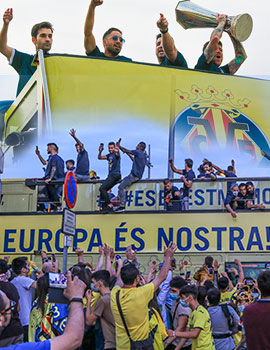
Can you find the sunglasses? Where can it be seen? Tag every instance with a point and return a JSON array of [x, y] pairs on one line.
[[12, 307], [115, 38]]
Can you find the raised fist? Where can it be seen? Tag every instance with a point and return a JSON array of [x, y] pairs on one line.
[[97, 2], [8, 16]]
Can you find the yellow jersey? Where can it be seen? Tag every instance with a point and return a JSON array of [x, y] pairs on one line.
[[134, 304], [199, 318]]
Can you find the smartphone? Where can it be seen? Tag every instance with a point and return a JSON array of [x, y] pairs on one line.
[[173, 263], [57, 285], [36, 148], [101, 145], [57, 280], [249, 282], [210, 269], [53, 257], [188, 273], [120, 140]]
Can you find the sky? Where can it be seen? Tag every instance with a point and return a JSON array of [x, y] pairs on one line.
[[137, 20]]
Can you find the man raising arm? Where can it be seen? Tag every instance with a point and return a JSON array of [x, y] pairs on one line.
[[42, 39], [212, 56], [4, 48], [112, 39], [166, 51]]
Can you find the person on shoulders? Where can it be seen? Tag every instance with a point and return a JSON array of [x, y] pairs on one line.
[[166, 52], [112, 38], [212, 56]]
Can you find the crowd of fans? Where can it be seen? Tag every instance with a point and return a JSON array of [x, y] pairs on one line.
[[116, 306]]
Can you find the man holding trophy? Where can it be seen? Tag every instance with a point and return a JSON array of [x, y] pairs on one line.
[[212, 56]]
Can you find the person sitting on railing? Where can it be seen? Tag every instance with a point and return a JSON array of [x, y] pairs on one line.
[[82, 168], [137, 170], [230, 200], [171, 196], [41, 33], [114, 175], [251, 196], [54, 171], [166, 52], [112, 39], [188, 177], [212, 56]]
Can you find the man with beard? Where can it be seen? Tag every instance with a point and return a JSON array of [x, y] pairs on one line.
[[212, 56], [23, 63], [54, 171], [166, 52], [112, 39]]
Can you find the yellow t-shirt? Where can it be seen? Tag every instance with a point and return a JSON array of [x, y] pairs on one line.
[[200, 318], [227, 296], [134, 304], [160, 334]]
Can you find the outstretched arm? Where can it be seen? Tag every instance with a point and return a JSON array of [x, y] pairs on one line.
[[216, 35], [43, 161], [240, 55], [215, 166], [167, 41], [125, 150], [89, 39], [178, 171], [4, 48], [72, 133], [168, 253]]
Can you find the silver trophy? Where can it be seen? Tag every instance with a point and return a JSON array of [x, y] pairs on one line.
[[190, 15]]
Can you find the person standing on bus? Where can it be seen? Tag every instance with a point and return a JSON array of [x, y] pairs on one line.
[[42, 38], [82, 167], [166, 52], [112, 39]]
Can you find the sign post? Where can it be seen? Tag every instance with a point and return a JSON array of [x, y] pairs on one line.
[[69, 217]]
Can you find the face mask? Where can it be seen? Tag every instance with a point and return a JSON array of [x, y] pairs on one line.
[[235, 193], [182, 302], [93, 288], [241, 308], [173, 296]]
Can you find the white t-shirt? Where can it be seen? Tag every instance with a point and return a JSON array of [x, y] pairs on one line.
[[23, 285]]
